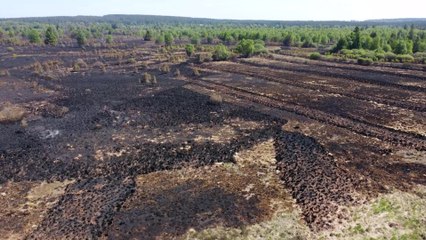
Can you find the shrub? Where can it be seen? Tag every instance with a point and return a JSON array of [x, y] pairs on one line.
[[159, 39], [308, 44], [315, 56], [420, 57], [390, 56], [81, 38], [221, 53], [246, 47], [365, 61], [405, 58], [10, 49], [34, 36], [195, 40], [168, 39], [387, 48], [109, 39], [189, 49], [259, 47]]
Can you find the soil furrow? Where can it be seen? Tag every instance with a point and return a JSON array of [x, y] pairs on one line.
[[390, 135], [272, 75], [346, 66], [348, 76]]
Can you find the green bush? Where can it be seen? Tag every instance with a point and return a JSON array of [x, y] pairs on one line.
[[365, 61], [420, 57], [168, 39], [315, 56], [34, 36], [81, 38], [221, 53], [405, 58], [189, 49], [259, 47], [195, 40], [246, 47], [390, 57], [109, 39], [159, 39]]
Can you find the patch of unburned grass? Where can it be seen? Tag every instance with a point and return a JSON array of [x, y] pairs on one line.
[[10, 113], [398, 215], [383, 205]]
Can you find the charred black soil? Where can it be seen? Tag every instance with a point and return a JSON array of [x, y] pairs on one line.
[[120, 142]]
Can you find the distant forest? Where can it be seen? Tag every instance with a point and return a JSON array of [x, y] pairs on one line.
[[389, 40], [152, 19]]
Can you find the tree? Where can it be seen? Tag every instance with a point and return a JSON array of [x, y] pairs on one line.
[[109, 39], [210, 39], [246, 47], [356, 38], [411, 34], [195, 40], [288, 40], [189, 49], [168, 39], [341, 44], [51, 36], [400, 47], [34, 36], [221, 53], [148, 36], [81, 38]]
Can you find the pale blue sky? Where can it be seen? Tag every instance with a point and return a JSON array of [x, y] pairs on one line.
[[229, 9]]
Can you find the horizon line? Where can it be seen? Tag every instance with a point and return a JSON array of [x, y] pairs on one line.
[[217, 19]]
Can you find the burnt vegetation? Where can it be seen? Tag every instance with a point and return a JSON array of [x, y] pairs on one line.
[[103, 102]]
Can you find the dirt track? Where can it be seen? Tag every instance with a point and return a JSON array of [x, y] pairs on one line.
[[115, 139]]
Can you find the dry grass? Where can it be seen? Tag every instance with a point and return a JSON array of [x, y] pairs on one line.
[[147, 78], [99, 65], [4, 73], [177, 73], [38, 68], [79, 64], [165, 68], [216, 98], [196, 72], [10, 113]]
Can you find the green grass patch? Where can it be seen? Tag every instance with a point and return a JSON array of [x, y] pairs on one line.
[[383, 205]]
